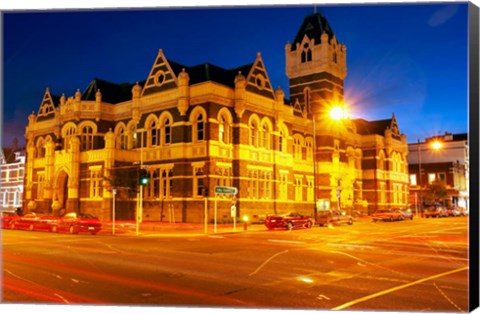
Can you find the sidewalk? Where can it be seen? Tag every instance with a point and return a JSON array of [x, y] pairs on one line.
[[129, 227]]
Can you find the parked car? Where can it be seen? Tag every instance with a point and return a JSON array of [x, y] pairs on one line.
[[33, 221], [454, 211], [78, 222], [289, 221], [435, 211], [336, 217], [406, 213], [6, 217], [387, 215]]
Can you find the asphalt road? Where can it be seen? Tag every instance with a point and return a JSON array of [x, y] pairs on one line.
[[419, 265]]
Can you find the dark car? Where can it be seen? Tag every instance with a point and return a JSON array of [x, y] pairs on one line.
[[78, 222], [387, 215], [6, 217], [288, 221], [33, 221], [435, 211], [335, 217]]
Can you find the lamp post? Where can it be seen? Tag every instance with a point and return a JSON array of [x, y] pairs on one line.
[[420, 176], [114, 192], [435, 145]]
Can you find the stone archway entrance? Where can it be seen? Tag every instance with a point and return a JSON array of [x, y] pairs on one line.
[[59, 205]]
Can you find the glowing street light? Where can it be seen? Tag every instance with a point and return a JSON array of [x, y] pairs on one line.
[[337, 113], [436, 145]]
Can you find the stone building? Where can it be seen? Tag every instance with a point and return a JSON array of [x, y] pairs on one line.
[[192, 128], [447, 163], [12, 170]]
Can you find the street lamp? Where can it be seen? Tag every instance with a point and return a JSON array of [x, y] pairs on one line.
[[337, 113], [435, 145]]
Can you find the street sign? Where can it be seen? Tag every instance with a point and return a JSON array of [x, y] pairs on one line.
[[231, 190]]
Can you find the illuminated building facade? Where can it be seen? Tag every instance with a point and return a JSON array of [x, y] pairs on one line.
[[447, 164], [193, 128], [12, 170]]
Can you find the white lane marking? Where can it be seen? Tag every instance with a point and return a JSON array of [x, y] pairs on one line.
[[264, 263], [323, 297], [387, 291], [448, 299], [216, 237]]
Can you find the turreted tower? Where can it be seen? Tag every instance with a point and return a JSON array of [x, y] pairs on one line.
[[316, 66]]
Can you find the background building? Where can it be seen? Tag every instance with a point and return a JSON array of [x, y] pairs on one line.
[[442, 159], [12, 170], [192, 128]]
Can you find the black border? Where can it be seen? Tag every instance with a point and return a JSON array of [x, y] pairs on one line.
[[474, 154]]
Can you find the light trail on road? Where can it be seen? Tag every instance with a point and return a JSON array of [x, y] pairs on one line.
[[387, 291]]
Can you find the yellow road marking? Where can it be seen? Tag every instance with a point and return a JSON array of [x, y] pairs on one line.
[[368, 297]]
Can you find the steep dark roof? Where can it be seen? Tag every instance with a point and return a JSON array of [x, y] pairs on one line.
[[365, 127], [112, 93], [9, 154], [460, 137], [209, 72], [313, 26], [56, 100]]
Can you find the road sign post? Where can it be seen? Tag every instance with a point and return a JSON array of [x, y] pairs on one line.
[[225, 190]]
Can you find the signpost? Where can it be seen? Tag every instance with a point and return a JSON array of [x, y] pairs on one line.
[[225, 190], [114, 192]]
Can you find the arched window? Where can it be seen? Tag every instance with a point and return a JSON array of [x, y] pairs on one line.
[[86, 138], [254, 133], [40, 148], [200, 130], [306, 54], [153, 133], [224, 127], [381, 160], [133, 135], [297, 146], [122, 138], [68, 133], [309, 146], [265, 136], [167, 131]]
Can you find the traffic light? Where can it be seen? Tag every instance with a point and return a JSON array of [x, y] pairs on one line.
[[144, 177]]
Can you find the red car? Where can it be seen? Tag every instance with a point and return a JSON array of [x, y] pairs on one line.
[[33, 221], [6, 217], [288, 221], [387, 215], [78, 222]]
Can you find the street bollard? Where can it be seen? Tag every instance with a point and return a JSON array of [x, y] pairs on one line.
[[245, 223]]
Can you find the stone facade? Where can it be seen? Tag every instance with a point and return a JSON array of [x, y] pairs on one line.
[[195, 128]]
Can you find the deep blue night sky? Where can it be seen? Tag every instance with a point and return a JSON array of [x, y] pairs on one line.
[[407, 59]]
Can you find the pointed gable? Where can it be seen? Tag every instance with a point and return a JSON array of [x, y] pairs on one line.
[[394, 126], [47, 108], [258, 81], [161, 76]]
